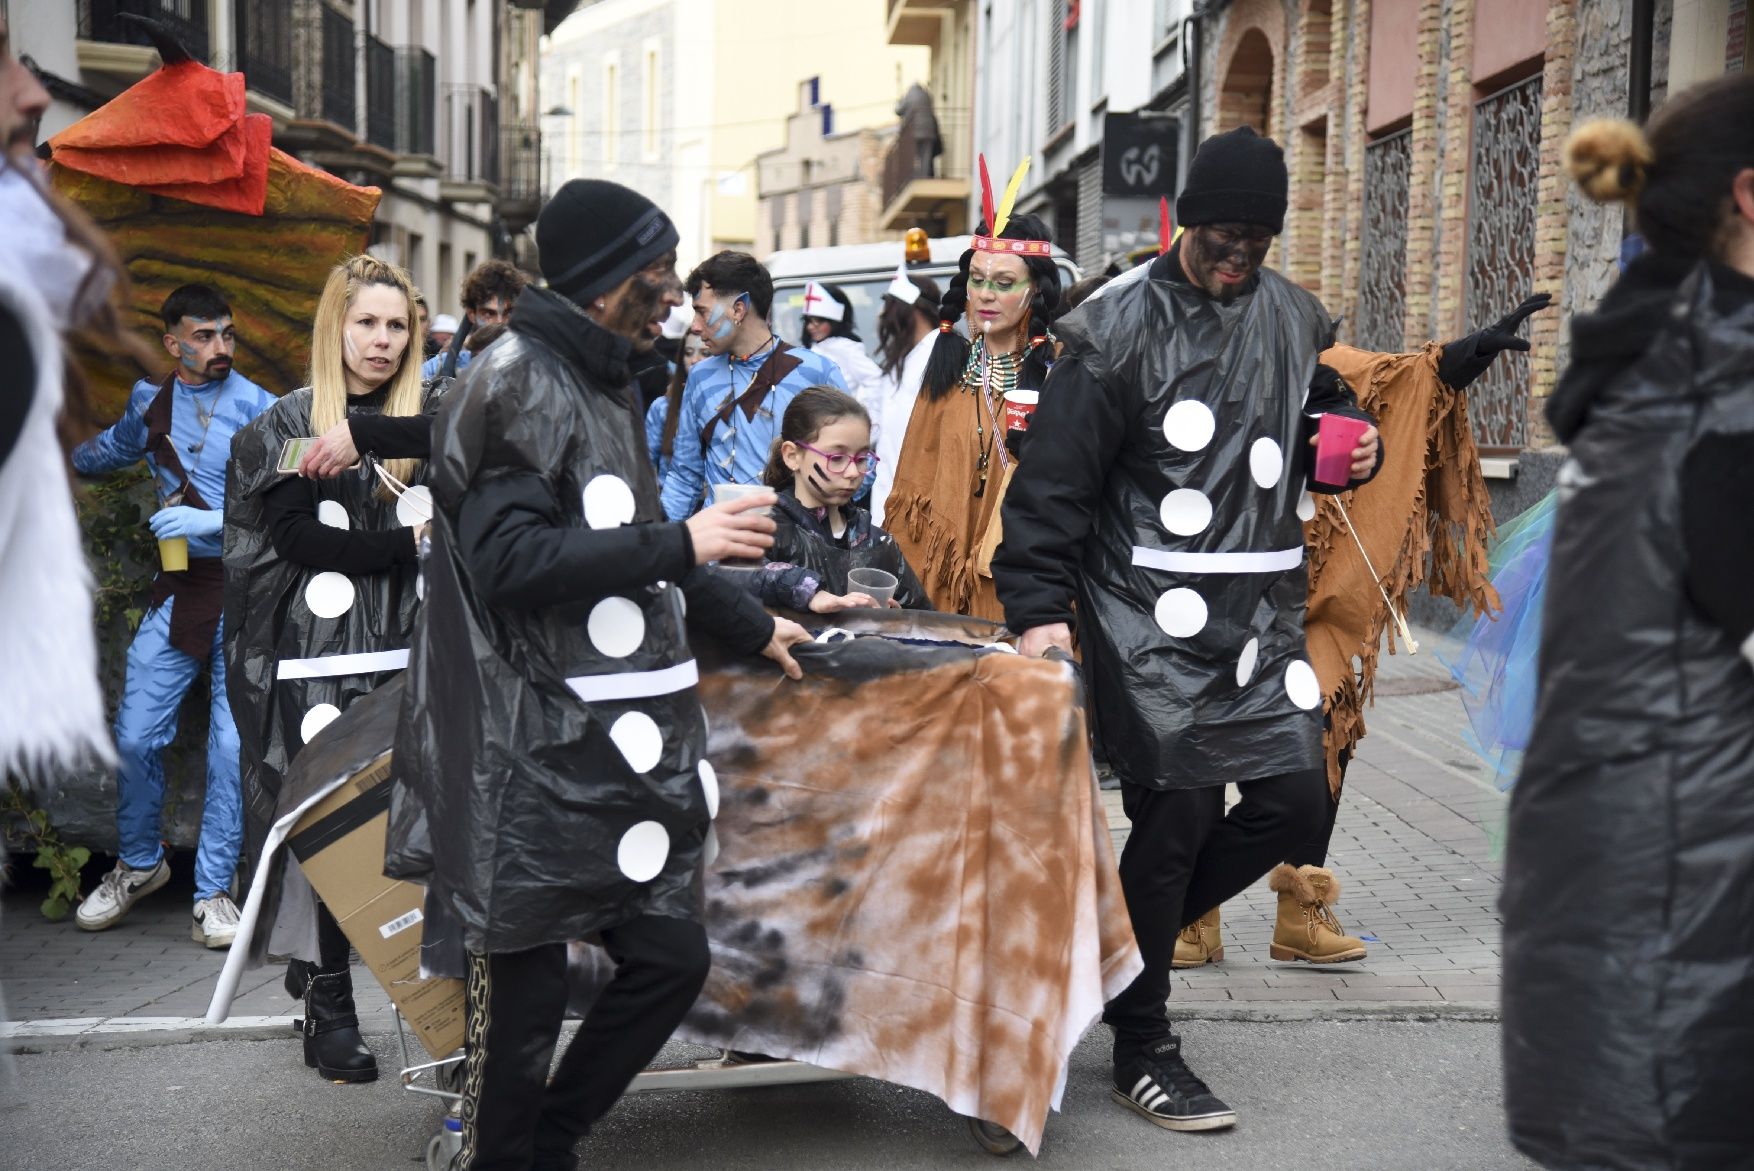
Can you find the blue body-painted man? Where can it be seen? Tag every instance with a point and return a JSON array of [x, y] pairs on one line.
[[735, 398], [182, 427]]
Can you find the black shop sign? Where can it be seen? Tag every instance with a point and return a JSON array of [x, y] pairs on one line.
[[1139, 154]]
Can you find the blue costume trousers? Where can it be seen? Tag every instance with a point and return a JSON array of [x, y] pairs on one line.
[[158, 677]]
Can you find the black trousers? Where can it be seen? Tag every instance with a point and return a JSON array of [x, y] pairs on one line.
[[1185, 856], [1315, 851], [513, 1116]]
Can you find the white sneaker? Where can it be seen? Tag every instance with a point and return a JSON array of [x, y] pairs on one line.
[[120, 889], [216, 921]]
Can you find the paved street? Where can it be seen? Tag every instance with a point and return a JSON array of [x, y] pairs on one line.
[[1320, 1096], [1396, 1054]]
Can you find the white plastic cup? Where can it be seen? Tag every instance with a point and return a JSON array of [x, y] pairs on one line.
[[725, 493], [879, 583]]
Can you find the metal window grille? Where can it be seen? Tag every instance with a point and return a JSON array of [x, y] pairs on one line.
[[265, 40], [1501, 248], [340, 91], [1382, 266], [186, 20], [1059, 99], [381, 98], [417, 83]]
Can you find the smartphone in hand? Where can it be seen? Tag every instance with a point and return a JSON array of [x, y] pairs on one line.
[[292, 452]]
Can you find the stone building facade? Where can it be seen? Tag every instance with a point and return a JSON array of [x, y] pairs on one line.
[[822, 188], [1425, 138]]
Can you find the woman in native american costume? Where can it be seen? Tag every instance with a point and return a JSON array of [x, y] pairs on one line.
[[321, 588], [957, 459]]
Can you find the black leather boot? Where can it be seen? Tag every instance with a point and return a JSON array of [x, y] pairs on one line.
[[330, 1026]]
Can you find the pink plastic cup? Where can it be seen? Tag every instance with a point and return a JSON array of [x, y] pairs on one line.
[[1336, 438]]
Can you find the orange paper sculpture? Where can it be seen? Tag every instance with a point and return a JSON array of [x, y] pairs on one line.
[[189, 188]]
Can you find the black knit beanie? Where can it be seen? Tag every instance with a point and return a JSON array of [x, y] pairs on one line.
[[594, 234], [1237, 177]]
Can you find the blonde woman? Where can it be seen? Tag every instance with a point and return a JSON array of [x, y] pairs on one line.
[[321, 587]]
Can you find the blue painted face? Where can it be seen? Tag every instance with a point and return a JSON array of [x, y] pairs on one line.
[[719, 320]]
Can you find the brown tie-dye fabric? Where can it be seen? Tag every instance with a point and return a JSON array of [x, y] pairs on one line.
[[1425, 520], [916, 881]]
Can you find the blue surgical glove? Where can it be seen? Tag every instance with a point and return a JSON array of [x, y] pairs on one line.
[[180, 520]]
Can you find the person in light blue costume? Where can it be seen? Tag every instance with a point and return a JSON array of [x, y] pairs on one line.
[[182, 427], [660, 432], [734, 400], [1496, 667], [488, 293]]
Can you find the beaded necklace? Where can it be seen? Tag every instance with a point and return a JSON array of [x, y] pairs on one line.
[[983, 371]]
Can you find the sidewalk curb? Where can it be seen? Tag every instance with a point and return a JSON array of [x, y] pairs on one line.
[[25, 1043]]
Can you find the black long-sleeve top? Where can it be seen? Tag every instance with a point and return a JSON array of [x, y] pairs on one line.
[[523, 553]]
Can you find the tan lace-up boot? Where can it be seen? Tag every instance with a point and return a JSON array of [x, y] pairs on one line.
[[1199, 942], [1306, 929]]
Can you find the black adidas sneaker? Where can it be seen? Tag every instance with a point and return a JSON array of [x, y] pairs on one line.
[[1158, 1084]]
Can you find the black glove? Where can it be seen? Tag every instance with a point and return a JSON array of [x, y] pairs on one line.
[[1465, 359], [1014, 440]]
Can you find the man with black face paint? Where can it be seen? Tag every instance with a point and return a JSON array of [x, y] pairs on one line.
[[552, 738], [1165, 517]]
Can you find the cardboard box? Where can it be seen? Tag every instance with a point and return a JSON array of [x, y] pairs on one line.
[[339, 843]]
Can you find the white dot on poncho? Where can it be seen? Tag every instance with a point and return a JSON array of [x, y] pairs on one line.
[[414, 507], [617, 627], [1266, 462], [637, 735], [1302, 686], [329, 594], [1245, 662], [643, 851], [1186, 511], [1181, 612], [333, 514], [709, 783], [608, 502], [316, 720], [1306, 507], [1188, 425]]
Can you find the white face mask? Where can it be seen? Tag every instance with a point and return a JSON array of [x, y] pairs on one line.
[[34, 243]]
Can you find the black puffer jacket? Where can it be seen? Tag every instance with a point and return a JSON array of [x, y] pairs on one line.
[[1629, 874], [549, 776]]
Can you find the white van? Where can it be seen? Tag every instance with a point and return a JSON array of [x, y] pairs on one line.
[[863, 271]]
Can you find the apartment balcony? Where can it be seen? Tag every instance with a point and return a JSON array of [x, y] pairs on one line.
[[470, 130], [920, 190], [109, 45], [920, 22], [416, 114], [264, 32], [520, 177]]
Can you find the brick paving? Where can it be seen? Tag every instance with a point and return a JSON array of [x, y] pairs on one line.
[[1413, 848]]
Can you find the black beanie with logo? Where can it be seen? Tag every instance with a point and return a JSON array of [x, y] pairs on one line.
[[594, 234], [1236, 177]]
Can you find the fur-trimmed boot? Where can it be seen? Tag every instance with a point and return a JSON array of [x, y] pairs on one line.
[[1199, 942], [1306, 929]]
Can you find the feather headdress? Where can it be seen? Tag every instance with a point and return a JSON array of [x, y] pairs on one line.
[[998, 215]]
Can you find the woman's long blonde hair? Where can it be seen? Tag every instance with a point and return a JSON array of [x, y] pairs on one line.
[[328, 372]]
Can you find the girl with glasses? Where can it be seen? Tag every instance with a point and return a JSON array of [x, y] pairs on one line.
[[818, 465]]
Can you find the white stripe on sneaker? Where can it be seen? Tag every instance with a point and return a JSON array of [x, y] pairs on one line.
[[1139, 1087], [1157, 1098]]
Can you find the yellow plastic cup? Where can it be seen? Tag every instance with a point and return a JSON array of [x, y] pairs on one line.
[[173, 554]]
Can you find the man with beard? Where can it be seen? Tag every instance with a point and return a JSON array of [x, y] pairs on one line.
[[550, 782], [181, 426], [1163, 512]]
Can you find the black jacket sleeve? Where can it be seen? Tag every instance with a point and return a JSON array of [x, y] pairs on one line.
[[1329, 394], [1717, 482], [289, 509], [521, 552], [392, 436], [1050, 507], [727, 609], [15, 355]]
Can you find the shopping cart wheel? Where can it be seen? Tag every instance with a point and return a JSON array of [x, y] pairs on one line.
[[993, 1138], [449, 1078]]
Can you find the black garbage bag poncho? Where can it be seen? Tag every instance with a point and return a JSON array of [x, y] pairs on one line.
[[1170, 447], [1629, 868], [550, 777], [287, 626]]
